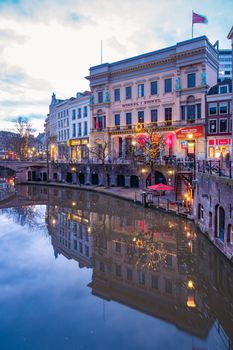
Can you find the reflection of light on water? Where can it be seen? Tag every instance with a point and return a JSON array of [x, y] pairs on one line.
[[190, 284], [191, 301]]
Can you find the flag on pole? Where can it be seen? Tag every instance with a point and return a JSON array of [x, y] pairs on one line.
[[199, 18]]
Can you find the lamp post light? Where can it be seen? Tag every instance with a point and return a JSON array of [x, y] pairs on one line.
[[134, 143], [88, 152], [52, 151], [47, 160]]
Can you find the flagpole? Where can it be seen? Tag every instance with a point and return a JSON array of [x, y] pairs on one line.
[[101, 52], [192, 24]]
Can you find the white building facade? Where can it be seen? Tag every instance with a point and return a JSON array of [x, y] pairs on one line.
[[73, 126]]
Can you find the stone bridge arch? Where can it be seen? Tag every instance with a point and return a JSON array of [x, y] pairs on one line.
[[21, 169]]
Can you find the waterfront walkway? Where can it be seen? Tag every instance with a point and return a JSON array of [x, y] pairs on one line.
[[165, 203]]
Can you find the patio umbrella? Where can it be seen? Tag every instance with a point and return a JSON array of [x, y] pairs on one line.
[[161, 187]]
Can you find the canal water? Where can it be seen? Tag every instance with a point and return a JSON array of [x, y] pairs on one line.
[[81, 270]]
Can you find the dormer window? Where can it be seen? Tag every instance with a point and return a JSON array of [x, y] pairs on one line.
[[223, 89]]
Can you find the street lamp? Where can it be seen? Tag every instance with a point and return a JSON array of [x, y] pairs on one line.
[[52, 151], [88, 152]]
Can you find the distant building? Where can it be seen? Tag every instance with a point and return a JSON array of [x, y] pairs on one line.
[[73, 127], [219, 121], [68, 127], [225, 64], [7, 145], [230, 37], [51, 127], [41, 143]]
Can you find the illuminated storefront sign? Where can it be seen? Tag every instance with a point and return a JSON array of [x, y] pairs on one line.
[[223, 142], [191, 132], [218, 146], [77, 142], [142, 103], [220, 142]]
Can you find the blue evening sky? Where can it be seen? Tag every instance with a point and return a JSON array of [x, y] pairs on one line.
[[48, 46]]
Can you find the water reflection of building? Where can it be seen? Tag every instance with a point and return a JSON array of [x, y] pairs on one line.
[[71, 235], [142, 272], [149, 261]]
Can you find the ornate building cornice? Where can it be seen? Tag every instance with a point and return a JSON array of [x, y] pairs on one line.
[[148, 65]]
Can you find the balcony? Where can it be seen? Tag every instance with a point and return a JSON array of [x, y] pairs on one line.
[[168, 125]]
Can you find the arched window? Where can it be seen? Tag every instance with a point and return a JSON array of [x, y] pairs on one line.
[[190, 99], [219, 222]]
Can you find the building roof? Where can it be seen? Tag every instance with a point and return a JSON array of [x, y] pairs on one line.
[[225, 52], [182, 53], [145, 55], [230, 35], [214, 90]]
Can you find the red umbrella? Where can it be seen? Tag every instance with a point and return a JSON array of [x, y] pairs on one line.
[[161, 187]]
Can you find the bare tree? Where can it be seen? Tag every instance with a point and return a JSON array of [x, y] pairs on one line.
[[21, 139], [150, 147], [101, 151]]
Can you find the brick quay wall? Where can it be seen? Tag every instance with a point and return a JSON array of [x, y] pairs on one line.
[[213, 210]]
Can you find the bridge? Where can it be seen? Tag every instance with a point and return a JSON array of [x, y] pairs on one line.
[[24, 170], [19, 165]]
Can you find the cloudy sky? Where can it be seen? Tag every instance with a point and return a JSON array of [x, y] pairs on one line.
[[49, 45]]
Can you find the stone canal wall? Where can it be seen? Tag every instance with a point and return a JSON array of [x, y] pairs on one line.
[[213, 210]]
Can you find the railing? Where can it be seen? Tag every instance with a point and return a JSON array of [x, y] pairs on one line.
[[149, 199], [154, 125], [216, 167]]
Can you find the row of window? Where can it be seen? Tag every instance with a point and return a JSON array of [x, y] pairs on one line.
[[141, 116], [188, 112], [79, 112], [191, 112], [155, 283], [225, 59], [79, 247], [63, 123], [63, 135], [63, 113], [77, 129], [219, 108], [168, 87], [219, 126]]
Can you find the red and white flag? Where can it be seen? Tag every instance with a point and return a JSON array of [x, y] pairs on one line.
[[199, 18]]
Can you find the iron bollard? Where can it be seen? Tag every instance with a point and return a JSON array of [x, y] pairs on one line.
[[144, 199]]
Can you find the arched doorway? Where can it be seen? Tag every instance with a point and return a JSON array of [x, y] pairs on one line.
[[81, 178], [69, 177], [95, 179], [134, 182], [159, 178], [120, 180], [108, 180], [219, 222]]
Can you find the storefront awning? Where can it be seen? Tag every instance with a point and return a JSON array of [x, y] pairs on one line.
[[190, 132]]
